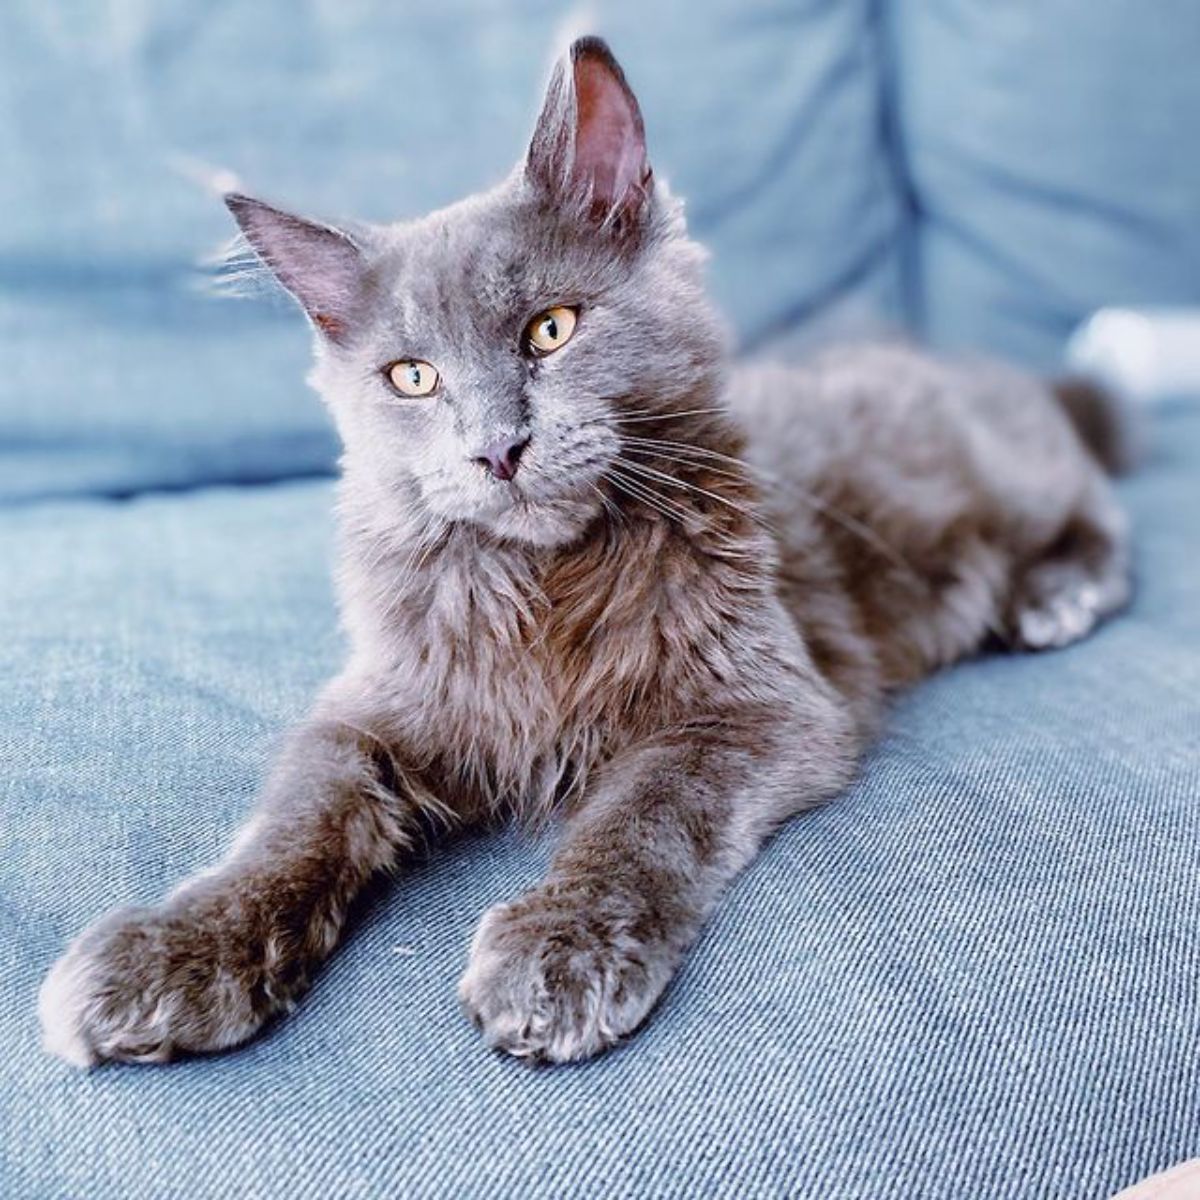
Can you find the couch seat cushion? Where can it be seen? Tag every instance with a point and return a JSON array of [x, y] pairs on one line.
[[974, 975]]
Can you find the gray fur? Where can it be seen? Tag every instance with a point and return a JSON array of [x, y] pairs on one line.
[[676, 627]]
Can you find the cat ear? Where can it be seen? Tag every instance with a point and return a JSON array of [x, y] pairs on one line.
[[589, 146], [321, 266]]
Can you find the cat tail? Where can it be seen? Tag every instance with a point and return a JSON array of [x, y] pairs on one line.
[[1105, 422]]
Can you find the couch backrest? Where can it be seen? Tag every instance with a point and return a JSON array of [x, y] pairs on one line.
[[765, 117], [988, 172], [1052, 152]]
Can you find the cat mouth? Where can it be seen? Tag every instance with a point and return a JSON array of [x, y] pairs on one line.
[[544, 521], [528, 494], [528, 500]]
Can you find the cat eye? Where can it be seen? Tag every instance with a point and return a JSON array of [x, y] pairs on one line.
[[551, 330], [411, 377]]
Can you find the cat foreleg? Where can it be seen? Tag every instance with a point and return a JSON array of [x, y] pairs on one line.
[[569, 968], [234, 946]]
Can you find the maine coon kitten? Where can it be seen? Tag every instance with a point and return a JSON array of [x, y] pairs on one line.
[[587, 566]]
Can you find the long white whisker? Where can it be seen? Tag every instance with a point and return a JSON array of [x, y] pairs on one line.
[[666, 444], [845, 520], [666, 477], [609, 507], [646, 495], [667, 416], [687, 460]]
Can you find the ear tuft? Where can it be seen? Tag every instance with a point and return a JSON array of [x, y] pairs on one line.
[[589, 146], [321, 266]]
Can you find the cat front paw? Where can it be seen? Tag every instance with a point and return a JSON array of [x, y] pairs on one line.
[[553, 979], [144, 984]]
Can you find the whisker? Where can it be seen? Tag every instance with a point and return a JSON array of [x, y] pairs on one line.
[[665, 444], [609, 507], [685, 460], [674, 481], [792, 488], [640, 416], [646, 495]]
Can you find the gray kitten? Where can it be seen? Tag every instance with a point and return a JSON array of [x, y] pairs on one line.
[[588, 567]]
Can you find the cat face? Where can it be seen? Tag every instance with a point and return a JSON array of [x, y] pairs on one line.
[[482, 362]]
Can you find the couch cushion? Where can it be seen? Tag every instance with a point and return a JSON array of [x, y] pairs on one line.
[[974, 975], [766, 119], [1048, 148]]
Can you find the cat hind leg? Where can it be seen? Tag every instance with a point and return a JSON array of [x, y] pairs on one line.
[[1082, 578]]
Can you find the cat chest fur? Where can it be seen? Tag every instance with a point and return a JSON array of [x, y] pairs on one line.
[[525, 669]]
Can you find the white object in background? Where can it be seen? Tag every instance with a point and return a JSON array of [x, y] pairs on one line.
[[1144, 353]]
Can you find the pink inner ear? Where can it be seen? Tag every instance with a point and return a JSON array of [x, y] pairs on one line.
[[610, 145]]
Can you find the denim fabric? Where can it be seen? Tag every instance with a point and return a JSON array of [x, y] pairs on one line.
[[764, 115], [973, 976], [1046, 149]]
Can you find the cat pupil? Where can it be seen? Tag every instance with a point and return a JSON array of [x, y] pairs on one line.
[[414, 375], [551, 328]]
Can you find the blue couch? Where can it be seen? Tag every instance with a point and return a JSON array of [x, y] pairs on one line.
[[975, 976]]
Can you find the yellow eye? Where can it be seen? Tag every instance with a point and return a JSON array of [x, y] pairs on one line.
[[551, 330], [411, 377]]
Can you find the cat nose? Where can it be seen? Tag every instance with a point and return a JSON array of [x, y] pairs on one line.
[[502, 457]]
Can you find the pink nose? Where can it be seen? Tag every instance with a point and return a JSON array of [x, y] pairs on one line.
[[502, 458]]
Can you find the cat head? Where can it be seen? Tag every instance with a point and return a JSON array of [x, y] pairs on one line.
[[482, 362]]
